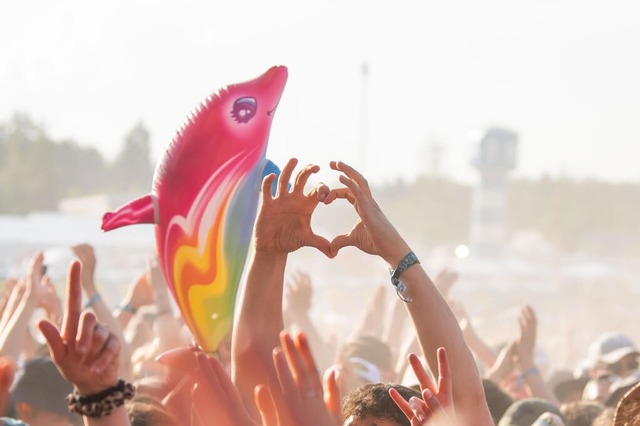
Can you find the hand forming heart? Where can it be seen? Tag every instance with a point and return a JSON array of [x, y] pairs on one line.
[[284, 221]]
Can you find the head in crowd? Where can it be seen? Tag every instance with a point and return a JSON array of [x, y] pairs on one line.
[[39, 393], [497, 399], [615, 353], [548, 419], [581, 413], [149, 411], [605, 418], [365, 359], [566, 387], [526, 411], [372, 403], [597, 388], [628, 409], [621, 386]]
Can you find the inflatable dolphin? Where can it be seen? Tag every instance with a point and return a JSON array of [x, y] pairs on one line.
[[204, 200]]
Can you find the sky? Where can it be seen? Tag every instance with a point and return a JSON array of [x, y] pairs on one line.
[[564, 75]]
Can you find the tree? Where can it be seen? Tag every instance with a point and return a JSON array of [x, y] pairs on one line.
[[132, 169]]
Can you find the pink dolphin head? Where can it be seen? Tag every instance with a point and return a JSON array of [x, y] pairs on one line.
[[204, 200]]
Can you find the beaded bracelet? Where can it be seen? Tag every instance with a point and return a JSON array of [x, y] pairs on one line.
[[409, 260], [103, 403]]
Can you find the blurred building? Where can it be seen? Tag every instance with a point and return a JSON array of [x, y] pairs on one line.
[[495, 158]]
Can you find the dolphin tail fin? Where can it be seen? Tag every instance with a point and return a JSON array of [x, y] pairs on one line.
[[270, 167], [140, 210]]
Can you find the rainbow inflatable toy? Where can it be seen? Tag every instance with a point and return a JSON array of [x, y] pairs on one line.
[[204, 200]]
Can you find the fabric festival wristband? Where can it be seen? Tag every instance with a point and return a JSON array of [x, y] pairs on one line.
[[127, 307], [409, 260], [93, 300]]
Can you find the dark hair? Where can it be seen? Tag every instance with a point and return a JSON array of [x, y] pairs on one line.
[[580, 413], [373, 400], [148, 411], [497, 399], [370, 348]]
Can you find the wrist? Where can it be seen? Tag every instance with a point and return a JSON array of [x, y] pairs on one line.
[[526, 363], [396, 255], [90, 288], [268, 255], [93, 388]]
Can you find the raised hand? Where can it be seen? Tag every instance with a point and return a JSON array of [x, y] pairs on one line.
[[373, 233], [436, 407], [527, 340], [213, 395], [50, 301], [85, 351], [86, 255], [298, 294], [284, 221], [303, 395]]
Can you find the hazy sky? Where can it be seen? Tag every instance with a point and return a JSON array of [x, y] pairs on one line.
[[564, 74]]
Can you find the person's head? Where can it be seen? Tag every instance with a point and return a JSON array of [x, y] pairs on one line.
[[597, 389], [497, 399], [605, 418], [39, 393], [581, 413], [614, 352], [526, 411], [372, 403], [362, 360], [628, 409], [621, 386], [149, 411], [566, 387]]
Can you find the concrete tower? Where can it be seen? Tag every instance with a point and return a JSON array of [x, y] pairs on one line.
[[495, 158]]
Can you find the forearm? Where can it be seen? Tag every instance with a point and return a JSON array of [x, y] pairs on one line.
[[485, 354], [436, 326], [531, 375], [13, 334], [319, 348], [258, 324]]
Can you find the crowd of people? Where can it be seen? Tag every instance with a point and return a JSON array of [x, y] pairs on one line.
[[424, 365]]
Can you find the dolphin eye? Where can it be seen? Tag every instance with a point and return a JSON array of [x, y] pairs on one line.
[[244, 109]]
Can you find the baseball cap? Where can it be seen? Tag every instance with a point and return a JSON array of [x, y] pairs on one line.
[[611, 347]]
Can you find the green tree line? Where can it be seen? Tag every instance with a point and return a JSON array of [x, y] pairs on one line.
[[36, 172]]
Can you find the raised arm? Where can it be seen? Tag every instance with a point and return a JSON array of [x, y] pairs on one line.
[[87, 355], [297, 303], [434, 322], [283, 226], [21, 308], [86, 255]]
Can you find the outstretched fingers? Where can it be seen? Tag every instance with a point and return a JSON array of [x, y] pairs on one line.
[[54, 340], [73, 307], [352, 174], [303, 176], [84, 337], [421, 373], [445, 381], [285, 177]]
